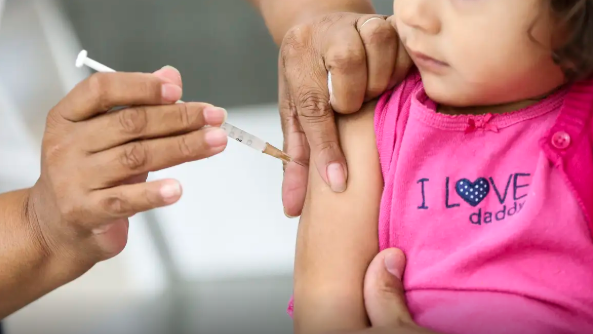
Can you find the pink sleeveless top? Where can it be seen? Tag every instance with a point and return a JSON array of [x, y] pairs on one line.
[[492, 212]]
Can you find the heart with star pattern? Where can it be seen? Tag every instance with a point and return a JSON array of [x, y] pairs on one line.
[[473, 192]]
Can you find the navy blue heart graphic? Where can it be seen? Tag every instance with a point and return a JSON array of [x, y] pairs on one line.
[[473, 192]]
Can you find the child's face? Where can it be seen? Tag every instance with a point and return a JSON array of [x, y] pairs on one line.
[[480, 52]]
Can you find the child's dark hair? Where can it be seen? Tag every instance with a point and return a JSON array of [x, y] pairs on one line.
[[575, 53]]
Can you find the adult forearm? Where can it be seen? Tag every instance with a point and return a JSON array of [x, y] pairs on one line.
[[27, 271], [280, 15]]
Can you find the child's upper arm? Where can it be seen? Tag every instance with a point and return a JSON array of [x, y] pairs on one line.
[[337, 235]]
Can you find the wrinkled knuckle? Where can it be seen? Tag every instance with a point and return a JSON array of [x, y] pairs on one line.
[[346, 59], [98, 83], [150, 88], [299, 34], [186, 149], [296, 40], [314, 107], [378, 34], [115, 205], [134, 120], [186, 119], [134, 156]]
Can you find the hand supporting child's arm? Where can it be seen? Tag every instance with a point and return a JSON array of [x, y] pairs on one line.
[[365, 56], [337, 236]]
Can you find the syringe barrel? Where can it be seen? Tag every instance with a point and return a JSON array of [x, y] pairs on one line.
[[243, 137]]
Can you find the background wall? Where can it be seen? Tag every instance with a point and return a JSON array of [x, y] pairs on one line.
[[221, 46]]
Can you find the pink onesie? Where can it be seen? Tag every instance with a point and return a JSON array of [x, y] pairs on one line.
[[494, 212], [495, 238]]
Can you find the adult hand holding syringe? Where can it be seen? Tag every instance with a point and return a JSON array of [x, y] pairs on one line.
[[232, 131]]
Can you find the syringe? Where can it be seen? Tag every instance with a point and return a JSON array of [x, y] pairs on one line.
[[232, 131]]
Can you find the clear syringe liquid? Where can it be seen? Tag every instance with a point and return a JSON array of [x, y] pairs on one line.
[[254, 142]]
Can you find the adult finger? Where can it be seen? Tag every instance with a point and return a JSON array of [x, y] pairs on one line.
[[122, 126], [120, 163], [403, 61], [307, 82], [383, 290], [127, 200], [104, 91], [345, 59], [294, 183], [380, 43], [170, 74]]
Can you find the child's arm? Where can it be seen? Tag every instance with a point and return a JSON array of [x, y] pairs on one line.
[[337, 237]]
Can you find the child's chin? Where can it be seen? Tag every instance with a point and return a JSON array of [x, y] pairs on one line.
[[452, 93], [448, 97]]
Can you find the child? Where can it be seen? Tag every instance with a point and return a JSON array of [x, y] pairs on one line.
[[486, 155]]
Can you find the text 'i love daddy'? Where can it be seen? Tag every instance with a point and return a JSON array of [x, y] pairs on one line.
[[466, 194]]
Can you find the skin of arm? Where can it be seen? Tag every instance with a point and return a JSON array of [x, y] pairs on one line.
[[280, 16], [337, 236], [27, 272]]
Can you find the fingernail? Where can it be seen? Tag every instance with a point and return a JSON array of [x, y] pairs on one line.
[[160, 73], [168, 74], [336, 177], [170, 67], [170, 192], [393, 265], [171, 92], [215, 116], [215, 137], [288, 216]]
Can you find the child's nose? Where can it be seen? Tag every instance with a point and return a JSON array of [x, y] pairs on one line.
[[420, 14]]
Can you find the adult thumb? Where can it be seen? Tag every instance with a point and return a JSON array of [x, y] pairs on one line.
[[170, 74], [383, 290]]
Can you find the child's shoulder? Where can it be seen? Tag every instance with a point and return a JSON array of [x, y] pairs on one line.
[[398, 100], [401, 93], [392, 111], [412, 82]]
